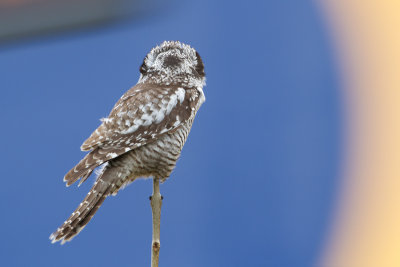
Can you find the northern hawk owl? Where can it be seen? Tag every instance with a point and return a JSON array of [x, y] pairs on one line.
[[144, 134]]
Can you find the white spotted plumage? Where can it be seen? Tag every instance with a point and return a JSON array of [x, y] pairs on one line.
[[144, 134]]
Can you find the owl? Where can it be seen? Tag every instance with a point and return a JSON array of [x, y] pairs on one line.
[[145, 132]]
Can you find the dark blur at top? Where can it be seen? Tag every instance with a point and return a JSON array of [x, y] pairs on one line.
[[20, 19]]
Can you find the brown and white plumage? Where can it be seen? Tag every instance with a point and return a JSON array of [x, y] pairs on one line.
[[144, 134]]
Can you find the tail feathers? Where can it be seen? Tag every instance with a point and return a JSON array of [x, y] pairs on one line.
[[84, 213], [85, 167], [91, 161]]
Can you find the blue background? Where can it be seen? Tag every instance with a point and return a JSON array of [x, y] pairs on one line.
[[256, 182]]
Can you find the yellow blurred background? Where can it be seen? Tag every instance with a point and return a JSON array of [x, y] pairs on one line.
[[366, 229]]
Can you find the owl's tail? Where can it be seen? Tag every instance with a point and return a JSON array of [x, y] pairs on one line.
[[85, 167], [91, 161], [102, 188]]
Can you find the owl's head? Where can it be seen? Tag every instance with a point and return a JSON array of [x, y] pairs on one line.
[[172, 60]]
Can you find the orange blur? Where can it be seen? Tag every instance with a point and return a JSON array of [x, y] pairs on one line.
[[366, 228]]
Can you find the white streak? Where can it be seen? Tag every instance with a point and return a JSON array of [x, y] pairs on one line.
[[181, 94], [111, 155], [130, 129]]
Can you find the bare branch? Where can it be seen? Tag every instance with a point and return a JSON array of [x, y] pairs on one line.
[[156, 202]]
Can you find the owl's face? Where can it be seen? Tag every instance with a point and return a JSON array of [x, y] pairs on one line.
[[172, 60]]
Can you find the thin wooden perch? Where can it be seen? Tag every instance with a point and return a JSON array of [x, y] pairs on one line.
[[156, 202]]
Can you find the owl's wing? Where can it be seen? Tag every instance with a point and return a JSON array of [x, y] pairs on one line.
[[141, 116]]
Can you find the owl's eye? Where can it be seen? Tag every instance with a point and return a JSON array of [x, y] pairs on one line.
[[143, 68]]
